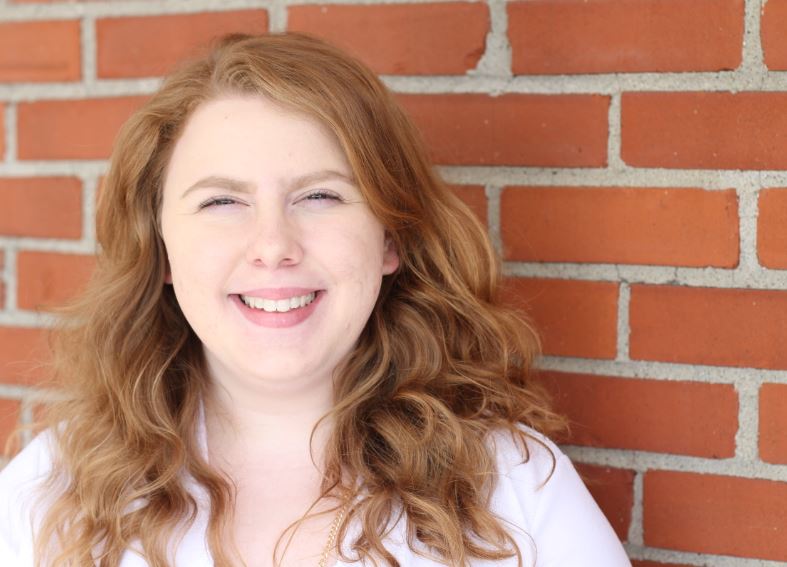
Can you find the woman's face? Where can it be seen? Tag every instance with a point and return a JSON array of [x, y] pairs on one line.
[[275, 257]]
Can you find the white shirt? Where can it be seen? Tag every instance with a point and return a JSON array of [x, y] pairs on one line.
[[554, 522]]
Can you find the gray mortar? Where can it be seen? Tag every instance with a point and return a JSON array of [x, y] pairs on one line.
[[13, 392], [25, 319], [747, 437], [614, 160], [9, 273], [636, 533], [580, 84], [711, 179], [600, 84], [89, 50], [277, 16], [28, 92], [623, 329], [703, 560], [752, 45], [644, 461], [496, 60], [667, 371], [26, 418], [748, 211], [89, 192], [10, 134], [738, 278], [119, 8], [80, 246], [493, 193]]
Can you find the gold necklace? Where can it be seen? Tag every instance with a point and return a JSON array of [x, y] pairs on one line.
[[332, 536]]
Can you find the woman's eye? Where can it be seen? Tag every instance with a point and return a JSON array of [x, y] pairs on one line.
[[218, 201], [321, 196]]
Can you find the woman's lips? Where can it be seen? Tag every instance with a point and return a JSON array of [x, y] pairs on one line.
[[282, 305], [277, 319]]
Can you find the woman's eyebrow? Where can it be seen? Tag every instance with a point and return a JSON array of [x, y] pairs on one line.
[[219, 182], [241, 186], [321, 175]]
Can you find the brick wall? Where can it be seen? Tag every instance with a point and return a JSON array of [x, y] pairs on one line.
[[629, 158]]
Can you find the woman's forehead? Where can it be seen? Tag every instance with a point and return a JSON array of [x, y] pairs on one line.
[[253, 136]]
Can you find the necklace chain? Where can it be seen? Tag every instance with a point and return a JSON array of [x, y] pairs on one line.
[[332, 537]]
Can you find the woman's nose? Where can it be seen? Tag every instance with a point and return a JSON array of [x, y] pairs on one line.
[[274, 242]]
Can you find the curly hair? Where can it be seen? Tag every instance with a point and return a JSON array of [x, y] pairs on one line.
[[441, 364]]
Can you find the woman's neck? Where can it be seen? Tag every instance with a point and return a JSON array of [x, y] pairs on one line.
[[268, 427]]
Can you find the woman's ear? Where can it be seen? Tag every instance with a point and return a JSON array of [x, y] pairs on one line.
[[390, 256], [167, 273]]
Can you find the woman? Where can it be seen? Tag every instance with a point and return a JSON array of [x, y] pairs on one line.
[[293, 349]]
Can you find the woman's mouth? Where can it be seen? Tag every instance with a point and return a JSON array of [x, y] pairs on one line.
[[278, 305]]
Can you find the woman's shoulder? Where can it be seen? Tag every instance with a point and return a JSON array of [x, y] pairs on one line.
[[530, 468], [30, 466], [539, 491], [526, 453], [21, 484]]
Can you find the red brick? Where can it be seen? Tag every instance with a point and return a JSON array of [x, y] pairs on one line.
[[686, 418], [599, 36], [773, 423], [2, 132], [402, 39], [24, 354], [727, 327], [724, 515], [152, 45], [705, 130], [574, 318], [72, 129], [2, 283], [40, 51], [48, 279], [771, 228], [772, 26], [474, 197], [41, 206], [613, 490], [513, 129], [673, 227], [9, 420]]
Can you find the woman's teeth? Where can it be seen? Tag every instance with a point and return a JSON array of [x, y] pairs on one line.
[[278, 305]]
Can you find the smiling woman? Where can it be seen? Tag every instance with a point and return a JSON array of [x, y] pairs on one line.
[[293, 351], [272, 220]]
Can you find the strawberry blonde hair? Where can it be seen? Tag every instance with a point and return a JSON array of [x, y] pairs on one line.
[[440, 365]]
